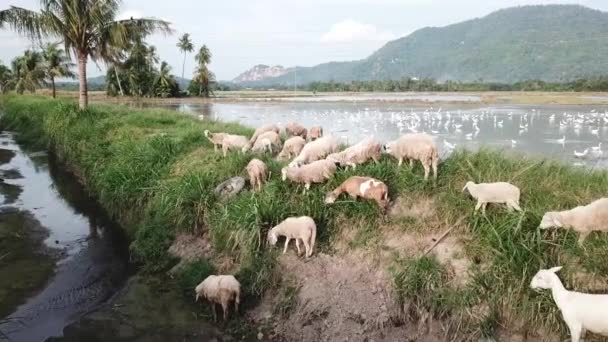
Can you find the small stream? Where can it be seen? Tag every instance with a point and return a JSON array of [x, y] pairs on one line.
[[91, 252]]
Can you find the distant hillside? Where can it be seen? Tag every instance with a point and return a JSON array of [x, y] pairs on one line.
[[260, 72], [550, 43]]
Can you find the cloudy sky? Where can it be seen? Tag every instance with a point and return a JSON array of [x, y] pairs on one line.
[[243, 33]]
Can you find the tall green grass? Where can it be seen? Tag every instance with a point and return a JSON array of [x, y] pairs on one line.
[[155, 173]]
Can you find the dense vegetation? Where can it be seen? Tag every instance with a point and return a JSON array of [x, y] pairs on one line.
[[553, 43], [154, 172], [408, 84]]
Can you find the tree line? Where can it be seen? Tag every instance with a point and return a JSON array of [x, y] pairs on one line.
[[90, 30]]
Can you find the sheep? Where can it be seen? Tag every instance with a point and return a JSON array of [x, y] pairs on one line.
[[316, 150], [580, 311], [500, 192], [415, 147], [266, 141], [315, 172], [292, 147], [298, 228], [220, 289], [314, 133], [364, 187], [582, 219], [257, 171], [215, 138], [227, 141], [294, 129], [358, 154], [267, 128]]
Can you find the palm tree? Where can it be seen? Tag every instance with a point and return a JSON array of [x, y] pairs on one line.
[[88, 29], [6, 77], [185, 45], [203, 76], [57, 64], [28, 72], [164, 83]]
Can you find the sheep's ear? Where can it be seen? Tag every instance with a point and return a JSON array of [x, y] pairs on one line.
[[196, 297], [555, 269]]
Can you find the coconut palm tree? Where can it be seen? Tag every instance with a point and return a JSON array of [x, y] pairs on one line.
[[185, 45], [28, 72], [165, 84], [203, 76], [56, 64], [88, 29], [203, 56], [6, 77]]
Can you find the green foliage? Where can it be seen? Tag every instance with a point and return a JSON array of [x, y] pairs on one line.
[[192, 274]]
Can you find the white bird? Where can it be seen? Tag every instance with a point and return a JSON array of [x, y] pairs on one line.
[[562, 140], [448, 145], [595, 132], [597, 148], [581, 154]]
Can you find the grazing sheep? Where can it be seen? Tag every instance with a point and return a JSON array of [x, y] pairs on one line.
[[581, 311], [215, 138], [294, 129], [264, 129], [500, 192], [316, 150], [364, 187], [292, 147], [298, 228], [415, 147], [315, 172], [257, 171], [582, 219], [358, 154], [267, 141], [314, 133], [220, 289]]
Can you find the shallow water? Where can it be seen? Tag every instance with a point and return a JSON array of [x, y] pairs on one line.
[[554, 131], [93, 263]]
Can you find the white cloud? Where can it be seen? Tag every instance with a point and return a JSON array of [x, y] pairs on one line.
[[349, 31]]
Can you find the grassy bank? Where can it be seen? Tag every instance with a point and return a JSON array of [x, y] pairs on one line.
[[154, 172]]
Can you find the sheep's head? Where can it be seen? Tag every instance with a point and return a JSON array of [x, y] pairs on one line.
[[330, 198], [544, 279], [206, 133], [284, 174], [272, 238], [550, 220], [466, 186], [246, 148], [387, 148]]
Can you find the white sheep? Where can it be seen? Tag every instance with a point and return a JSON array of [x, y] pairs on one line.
[[258, 172], [267, 141], [292, 147], [316, 150], [220, 289], [227, 141], [364, 187], [581, 311], [314, 133], [315, 172], [582, 219], [294, 129], [500, 192], [215, 138], [412, 147], [358, 154], [264, 129], [298, 228]]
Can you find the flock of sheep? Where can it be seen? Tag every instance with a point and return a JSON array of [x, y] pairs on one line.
[[315, 158]]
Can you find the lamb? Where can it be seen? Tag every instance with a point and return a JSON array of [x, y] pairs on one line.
[[264, 129], [227, 141], [294, 129], [364, 187], [316, 150], [415, 147], [314, 133], [582, 219], [358, 154], [315, 172], [257, 171], [298, 228], [292, 147], [266, 141], [220, 289], [500, 192], [581, 311]]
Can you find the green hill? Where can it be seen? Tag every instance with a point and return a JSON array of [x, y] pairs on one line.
[[550, 43]]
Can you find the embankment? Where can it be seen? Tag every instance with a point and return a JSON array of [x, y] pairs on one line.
[[154, 172]]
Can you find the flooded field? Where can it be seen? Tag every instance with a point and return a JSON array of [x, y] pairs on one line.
[[86, 253], [570, 133]]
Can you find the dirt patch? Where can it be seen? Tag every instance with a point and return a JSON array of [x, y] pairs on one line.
[[189, 248], [339, 298], [411, 207]]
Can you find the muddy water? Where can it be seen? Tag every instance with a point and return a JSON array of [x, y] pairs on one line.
[[90, 252], [554, 131]]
